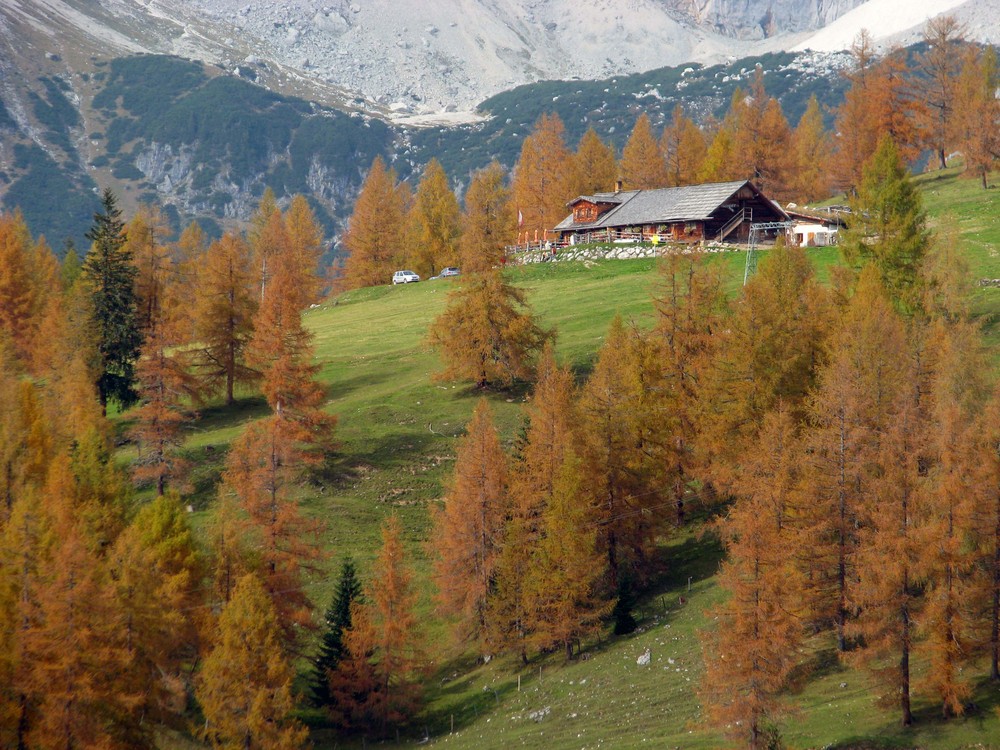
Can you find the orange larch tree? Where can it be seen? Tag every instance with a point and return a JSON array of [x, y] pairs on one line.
[[543, 177], [949, 623], [690, 307], [303, 249], [267, 240], [145, 241], [643, 166], [435, 219], [155, 574], [761, 140], [890, 570], [812, 147], [879, 103], [616, 439], [281, 350], [853, 404], [377, 685], [488, 221], [165, 386], [770, 350], [751, 653], [80, 695], [987, 517], [564, 597], [245, 683], [977, 111], [486, 334], [684, 149], [594, 167], [533, 476], [375, 233], [225, 302], [467, 531], [261, 472], [18, 295], [938, 68]]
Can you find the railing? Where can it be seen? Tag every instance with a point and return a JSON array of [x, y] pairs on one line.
[[744, 214]]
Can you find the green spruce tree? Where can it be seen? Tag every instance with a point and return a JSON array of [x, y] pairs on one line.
[[110, 276], [888, 226], [336, 620]]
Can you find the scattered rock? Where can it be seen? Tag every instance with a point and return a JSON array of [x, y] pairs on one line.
[[540, 713], [644, 659]]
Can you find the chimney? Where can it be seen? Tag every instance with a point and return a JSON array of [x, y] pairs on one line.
[[618, 186]]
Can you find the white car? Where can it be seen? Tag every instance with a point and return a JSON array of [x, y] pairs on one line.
[[404, 277]]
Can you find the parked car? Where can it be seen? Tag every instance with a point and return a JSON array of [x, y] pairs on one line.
[[404, 277], [450, 271]]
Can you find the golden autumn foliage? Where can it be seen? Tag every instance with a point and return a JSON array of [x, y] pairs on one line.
[[750, 654], [435, 219], [594, 166], [564, 597], [225, 303], [543, 177], [643, 166], [939, 66], [487, 334], [281, 545], [374, 236], [615, 441], [533, 477], [977, 111], [467, 531], [245, 683], [809, 179], [281, 350], [28, 282], [880, 103], [489, 223], [684, 149], [376, 686]]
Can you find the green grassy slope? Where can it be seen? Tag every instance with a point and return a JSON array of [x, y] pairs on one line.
[[398, 432]]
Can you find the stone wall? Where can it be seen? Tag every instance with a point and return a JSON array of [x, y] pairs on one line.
[[620, 252]]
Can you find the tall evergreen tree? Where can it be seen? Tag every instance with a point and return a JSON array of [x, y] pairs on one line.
[[337, 621], [110, 277], [889, 226]]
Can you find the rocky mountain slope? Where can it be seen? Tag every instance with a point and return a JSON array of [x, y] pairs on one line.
[[198, 105]]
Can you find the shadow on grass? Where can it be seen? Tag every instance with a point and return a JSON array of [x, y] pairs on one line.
[[222, 416], [466, 711], [343, 387]]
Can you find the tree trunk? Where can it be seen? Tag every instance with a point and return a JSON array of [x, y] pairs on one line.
[[941, 158], [904, 667]]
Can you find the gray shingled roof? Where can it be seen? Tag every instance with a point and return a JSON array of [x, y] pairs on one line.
[[687, 203]]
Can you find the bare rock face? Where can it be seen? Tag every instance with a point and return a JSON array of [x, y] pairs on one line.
[[759, 19], [394, 51]]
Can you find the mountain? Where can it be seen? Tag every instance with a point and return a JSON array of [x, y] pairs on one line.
[[199, 105]]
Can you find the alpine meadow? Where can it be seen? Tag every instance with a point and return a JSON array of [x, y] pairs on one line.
[[687, 437]]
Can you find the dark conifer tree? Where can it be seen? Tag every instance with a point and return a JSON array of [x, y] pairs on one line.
[[110, 275], [336, 620]]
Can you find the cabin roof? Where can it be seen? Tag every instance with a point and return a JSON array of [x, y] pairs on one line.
[[662, 206]]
